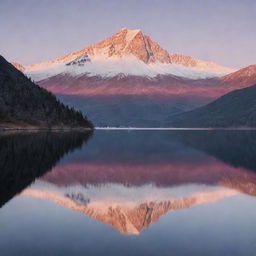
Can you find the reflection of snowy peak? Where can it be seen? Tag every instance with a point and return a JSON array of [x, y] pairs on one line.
[[129, 52], [129, 215]]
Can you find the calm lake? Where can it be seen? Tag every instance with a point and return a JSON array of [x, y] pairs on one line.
[[128, 193]]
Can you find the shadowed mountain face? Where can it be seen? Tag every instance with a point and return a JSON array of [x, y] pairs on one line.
[[27, 156], [129, 180], [130, 111], [133, 101]]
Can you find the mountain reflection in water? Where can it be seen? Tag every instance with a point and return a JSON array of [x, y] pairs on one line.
[[130, 179]]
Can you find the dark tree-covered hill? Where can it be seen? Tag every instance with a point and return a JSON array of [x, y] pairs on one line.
[[23, 103], [235, 109]]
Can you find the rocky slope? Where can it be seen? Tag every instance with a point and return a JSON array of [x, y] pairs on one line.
[[241, 78], [125, 43]]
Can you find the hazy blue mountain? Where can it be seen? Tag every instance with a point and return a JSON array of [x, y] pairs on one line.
[[130, 111]]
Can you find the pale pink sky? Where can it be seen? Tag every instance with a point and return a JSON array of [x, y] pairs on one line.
[[40, 30]]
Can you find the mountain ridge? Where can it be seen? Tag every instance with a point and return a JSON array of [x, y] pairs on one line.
[[245, 76], [141, 101]]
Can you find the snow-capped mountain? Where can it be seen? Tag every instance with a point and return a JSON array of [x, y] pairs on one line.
[[128, 52], [130, 80]]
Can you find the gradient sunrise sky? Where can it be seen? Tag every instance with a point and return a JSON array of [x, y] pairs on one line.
[[222, 31]]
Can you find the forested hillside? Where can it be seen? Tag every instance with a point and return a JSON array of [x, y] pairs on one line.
[[235, 109], [23, 103]]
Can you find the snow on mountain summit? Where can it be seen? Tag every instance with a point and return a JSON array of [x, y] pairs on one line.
[[129, 52], [123, 44]]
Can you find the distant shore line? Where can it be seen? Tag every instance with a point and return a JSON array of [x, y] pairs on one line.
[[2, 129], [174, 129]]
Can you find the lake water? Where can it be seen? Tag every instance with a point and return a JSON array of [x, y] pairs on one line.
[[128, 193]]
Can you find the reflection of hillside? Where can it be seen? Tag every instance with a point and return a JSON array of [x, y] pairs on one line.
[[213, 172], [237, 148], [132, 219], [164, 158], [26, 156]]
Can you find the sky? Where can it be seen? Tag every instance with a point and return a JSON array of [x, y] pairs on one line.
[[222, 31]]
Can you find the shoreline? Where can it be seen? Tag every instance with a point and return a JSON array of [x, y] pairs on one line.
[[176, 128], [2, 129], [34, 128]]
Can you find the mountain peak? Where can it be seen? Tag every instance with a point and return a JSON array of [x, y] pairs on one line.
[[133, 43], [131, 52], [129, 43], [131, 30], [130, 34], [125, 43]]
